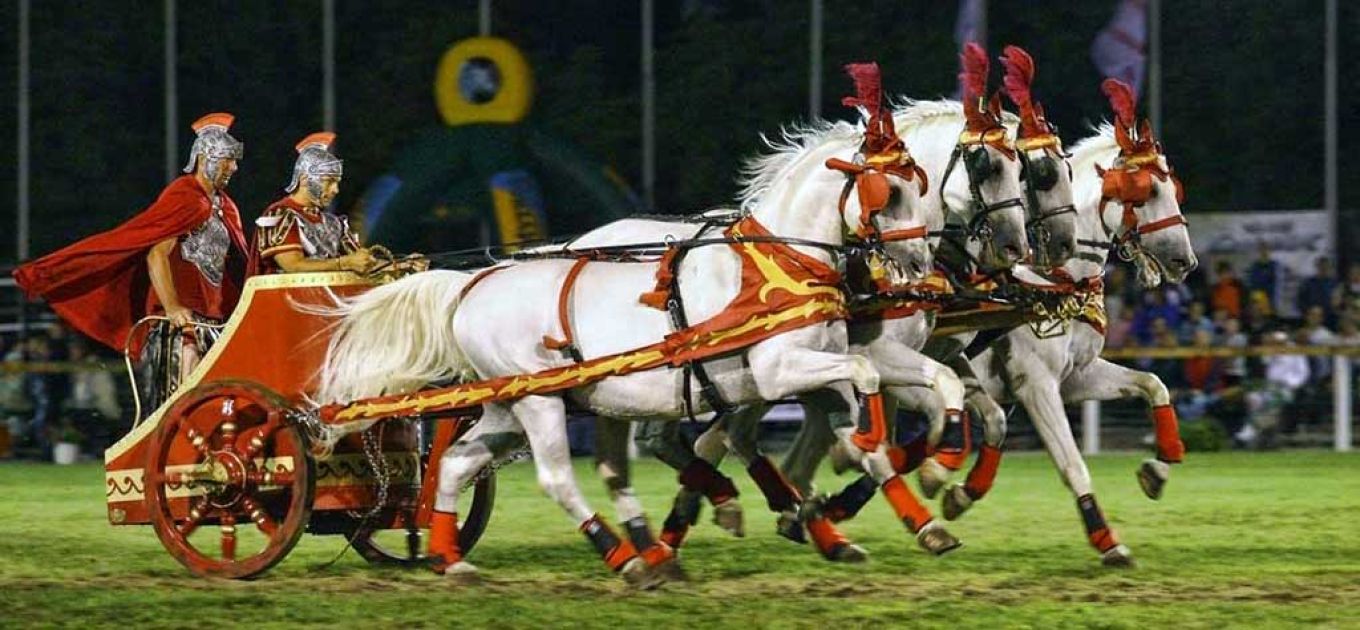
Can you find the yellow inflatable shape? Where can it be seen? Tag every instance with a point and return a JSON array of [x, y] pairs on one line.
[[510, 102]]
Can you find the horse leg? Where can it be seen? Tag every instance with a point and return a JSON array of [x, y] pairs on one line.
[[959, 498], [495, 435], [613, 466], [1102, 380], [1039, 393], [697, 478], [544, 421], [948, 437]]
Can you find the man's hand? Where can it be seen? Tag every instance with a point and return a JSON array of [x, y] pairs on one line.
[[359, 261], [180, 317]]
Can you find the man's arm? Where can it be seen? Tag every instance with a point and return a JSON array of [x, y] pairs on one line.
[[163, 282], [293, 261]]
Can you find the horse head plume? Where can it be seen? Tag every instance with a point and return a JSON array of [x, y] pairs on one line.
[[979, 113], [1018, 79], [1123, 102]]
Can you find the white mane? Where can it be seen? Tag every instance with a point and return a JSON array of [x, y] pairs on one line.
[[759, 173], [1099, 149]]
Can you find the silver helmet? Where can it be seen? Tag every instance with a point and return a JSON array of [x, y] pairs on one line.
[[316, 161], [213, 143]]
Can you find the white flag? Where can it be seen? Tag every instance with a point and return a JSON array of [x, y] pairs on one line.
[[1120, 50]]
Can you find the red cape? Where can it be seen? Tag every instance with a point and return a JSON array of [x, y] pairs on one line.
[[100, 284]]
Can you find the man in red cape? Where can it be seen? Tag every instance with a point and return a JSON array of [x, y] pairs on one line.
[[183, 258]]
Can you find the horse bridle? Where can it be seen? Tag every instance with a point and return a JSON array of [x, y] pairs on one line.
[[1041, 175], [977, 167], [1129, 182]]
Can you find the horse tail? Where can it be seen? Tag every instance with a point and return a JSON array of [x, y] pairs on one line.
[[395, 338]]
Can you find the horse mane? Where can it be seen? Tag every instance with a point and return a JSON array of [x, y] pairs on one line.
[[784, 150], [1099, 149]]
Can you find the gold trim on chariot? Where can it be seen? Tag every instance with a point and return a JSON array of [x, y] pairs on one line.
[[253, 286]]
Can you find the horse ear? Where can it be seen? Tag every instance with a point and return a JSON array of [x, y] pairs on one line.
[[1145, 131], [1100, 171], [994, 106], [1121, 135]]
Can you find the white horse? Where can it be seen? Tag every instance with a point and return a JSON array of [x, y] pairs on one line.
[[932, 130], [1137, 209], [436, 325]]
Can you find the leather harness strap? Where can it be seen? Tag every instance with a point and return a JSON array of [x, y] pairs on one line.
[[567, 343]]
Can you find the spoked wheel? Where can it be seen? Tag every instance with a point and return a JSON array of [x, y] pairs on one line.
[[229, 483], [405, 547]]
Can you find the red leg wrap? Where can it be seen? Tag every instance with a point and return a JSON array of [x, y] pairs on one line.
[[905, 504], [1170, 449], [779, 493], [673, 537], [953, 455], [1097, 531], [613, 551], [869, 440], [909, 456], [701, 476], [444, 540], [651, 551], [982, 475], [825, 535]]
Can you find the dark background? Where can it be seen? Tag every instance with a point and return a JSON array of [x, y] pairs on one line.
[[1242, 91]]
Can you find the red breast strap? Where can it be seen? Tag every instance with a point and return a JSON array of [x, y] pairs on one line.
[[563, 318]]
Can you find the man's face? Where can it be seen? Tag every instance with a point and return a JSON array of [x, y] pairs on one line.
[[326, 190], [226, 168]]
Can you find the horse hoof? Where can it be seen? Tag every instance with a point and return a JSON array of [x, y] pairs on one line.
[[955, 502], [640, 576], [670, 570], [841, 460], [728, 516], [848, 553], [1118, 557], [788, 526], [462, 573], [935, 539], [932, 477], [1152, 478]]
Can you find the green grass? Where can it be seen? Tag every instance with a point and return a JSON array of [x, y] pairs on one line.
[[1240, 540]]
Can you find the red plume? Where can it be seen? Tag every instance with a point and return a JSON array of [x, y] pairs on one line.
[[973, 81], [1122, 101], [868, 86], [1019, 77]]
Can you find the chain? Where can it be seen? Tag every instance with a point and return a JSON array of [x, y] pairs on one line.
[[521, 454], [372, 439]]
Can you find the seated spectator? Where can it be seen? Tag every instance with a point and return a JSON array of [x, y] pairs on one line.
[[1258, 319], [1227, 294], [1195, 320], [1286, 374], [1154, 308], [1264, 273], [1203, 372], [1220, 321], [1236, 369], [1168, 369], [1350, 291], [1119, 333], [1315, 333], [1321, 290], [93, 405]]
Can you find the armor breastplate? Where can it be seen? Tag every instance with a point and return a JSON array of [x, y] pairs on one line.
[[206, 246], [322, 239]]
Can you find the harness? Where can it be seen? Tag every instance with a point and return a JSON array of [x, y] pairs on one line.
[[977, 167], [1129, 182], [781, 290], [1041, 175]]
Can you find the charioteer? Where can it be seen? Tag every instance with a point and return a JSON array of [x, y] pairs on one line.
[[183, 259], [297, 233]]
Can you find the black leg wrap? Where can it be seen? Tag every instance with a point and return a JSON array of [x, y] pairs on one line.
[[953, 438], [601, 537], [701, 476], [848, 502], [639, 533], [779, 493]]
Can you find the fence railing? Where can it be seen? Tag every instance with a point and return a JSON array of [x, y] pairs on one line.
[[1342, 382]]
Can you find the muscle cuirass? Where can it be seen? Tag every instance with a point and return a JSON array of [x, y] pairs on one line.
[[206, 246]]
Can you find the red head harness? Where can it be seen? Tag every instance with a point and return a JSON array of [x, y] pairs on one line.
[[1129, 181], [884, 153]]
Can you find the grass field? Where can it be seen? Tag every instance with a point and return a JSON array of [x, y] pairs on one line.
[[1240, 540]]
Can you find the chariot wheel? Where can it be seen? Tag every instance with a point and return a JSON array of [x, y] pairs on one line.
[[406, 547], [229, 482]]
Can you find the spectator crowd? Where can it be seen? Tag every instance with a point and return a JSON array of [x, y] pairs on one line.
[[1255, 399]]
